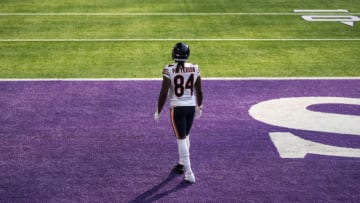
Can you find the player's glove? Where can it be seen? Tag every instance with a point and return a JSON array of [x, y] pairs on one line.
[[157, 116], [198, 111]]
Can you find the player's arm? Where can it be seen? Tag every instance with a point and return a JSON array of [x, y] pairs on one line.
[[199, 93], [166, 83], [199, 98]]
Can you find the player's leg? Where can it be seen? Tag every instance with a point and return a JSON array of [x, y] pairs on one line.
[[178, 124], [187, 139], [189, 122], [178, 119], [190, 114]]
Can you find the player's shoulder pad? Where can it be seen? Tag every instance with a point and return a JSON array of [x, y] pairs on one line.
[[166, 70], [193, 65], [196, 66]]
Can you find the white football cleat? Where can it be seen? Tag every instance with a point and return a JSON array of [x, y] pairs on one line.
[[189, 177]]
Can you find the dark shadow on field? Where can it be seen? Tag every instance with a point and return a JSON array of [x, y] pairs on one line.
[[151, 196]]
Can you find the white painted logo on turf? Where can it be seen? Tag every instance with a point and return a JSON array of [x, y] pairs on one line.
[[345, 19], [293, 113]]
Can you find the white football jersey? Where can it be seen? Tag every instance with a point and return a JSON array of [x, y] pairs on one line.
[[181, 92]]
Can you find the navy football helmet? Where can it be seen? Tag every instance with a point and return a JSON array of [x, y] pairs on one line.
[[180, 52]]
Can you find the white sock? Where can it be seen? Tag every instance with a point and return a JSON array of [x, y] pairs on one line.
[[184, 156], [188, 142]]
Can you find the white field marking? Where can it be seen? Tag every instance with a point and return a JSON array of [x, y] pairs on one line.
[[320, 11], [76, 79], [178, 39], [295, 12], [159, 79], [147, 14], [281, 78], [331, 18], [293, 113], [291, 146], [160, 14]]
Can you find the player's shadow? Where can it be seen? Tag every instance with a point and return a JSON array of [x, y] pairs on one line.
[[151, 196]]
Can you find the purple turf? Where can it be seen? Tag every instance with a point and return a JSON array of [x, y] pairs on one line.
[[68, 141]]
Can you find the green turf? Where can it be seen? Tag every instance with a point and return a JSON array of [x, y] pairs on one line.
[[173, 5], [146, 59], [159, 27]]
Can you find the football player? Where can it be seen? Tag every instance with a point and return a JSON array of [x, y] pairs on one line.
[[180, 79]]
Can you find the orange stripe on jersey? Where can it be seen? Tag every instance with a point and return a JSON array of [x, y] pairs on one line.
[[173, 123]]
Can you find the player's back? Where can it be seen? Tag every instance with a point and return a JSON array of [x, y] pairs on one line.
[[182, 79]]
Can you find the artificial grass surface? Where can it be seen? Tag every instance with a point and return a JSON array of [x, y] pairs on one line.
[[173, 5], [146, 59], [165, 27], [68, 59]]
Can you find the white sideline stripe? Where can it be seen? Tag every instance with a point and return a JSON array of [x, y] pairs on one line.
[[177, 39], [151, 14], [159, 79], [167, 14]]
